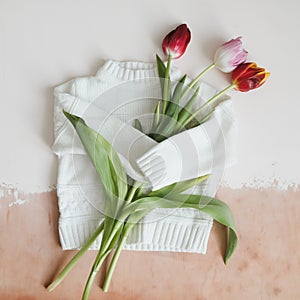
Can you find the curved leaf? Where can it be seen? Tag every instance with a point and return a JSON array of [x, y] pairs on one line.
[[103, 156], [215, 208], [178, 187], [218, 210], [161, 70], [187, 109], [138, 125], [173, 107]]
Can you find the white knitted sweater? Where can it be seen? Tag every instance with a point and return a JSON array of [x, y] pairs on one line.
[[125, 90]]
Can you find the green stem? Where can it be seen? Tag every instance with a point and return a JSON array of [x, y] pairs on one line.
[[98, 262], [74, 260], [210, 101], [196, 79], [114, 231], [131, 222], [136, 185], [206, 117], [156, 116], [88, 286], [166, 86], [129, 197], [140, 191], [109, 245], [132, 191], [102, 254], [115, 259]]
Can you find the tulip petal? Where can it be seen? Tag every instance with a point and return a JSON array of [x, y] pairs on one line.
[[176, 41], [249, 76], [229, 55]]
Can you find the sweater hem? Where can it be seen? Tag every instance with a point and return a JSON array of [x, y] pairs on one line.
[[156, 236]]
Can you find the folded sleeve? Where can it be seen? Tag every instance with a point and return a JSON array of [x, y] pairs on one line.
[[206, 149], [129, 142]]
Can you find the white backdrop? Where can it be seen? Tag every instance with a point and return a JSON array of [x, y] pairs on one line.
[[44, 43]]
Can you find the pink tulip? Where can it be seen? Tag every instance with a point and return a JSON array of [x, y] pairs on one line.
[[230, 55]]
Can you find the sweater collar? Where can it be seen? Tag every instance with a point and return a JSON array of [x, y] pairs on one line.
[[131, 70]]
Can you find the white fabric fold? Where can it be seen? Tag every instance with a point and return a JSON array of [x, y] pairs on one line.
[[205, 149]]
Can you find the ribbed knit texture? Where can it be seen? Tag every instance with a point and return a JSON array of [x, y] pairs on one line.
[[79, 190]]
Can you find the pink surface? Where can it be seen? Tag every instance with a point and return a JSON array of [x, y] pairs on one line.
[[265, 266]]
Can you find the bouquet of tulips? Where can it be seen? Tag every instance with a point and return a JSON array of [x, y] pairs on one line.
[[128, 201]]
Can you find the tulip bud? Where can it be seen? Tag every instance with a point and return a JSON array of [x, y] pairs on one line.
[[230, 55], [176, 42], [249, 76]]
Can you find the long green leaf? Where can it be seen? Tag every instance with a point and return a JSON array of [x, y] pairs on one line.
[[173, 125], [178, 89], [161, 70], [187, 109], [169, 119], [109, 169], [165, 128], [173, 105], [145, 205], [103, 156], [178, 187], [217, 209], [137, 125], [220, 211], [156, 116]]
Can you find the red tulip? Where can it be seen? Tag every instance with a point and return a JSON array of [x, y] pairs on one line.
[[176, 42], [249, 76]]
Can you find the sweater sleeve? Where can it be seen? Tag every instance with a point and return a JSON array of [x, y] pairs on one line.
[[77, 97], [205, 149]]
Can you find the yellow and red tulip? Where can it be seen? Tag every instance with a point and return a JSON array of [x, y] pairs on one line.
[[249, 76]]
